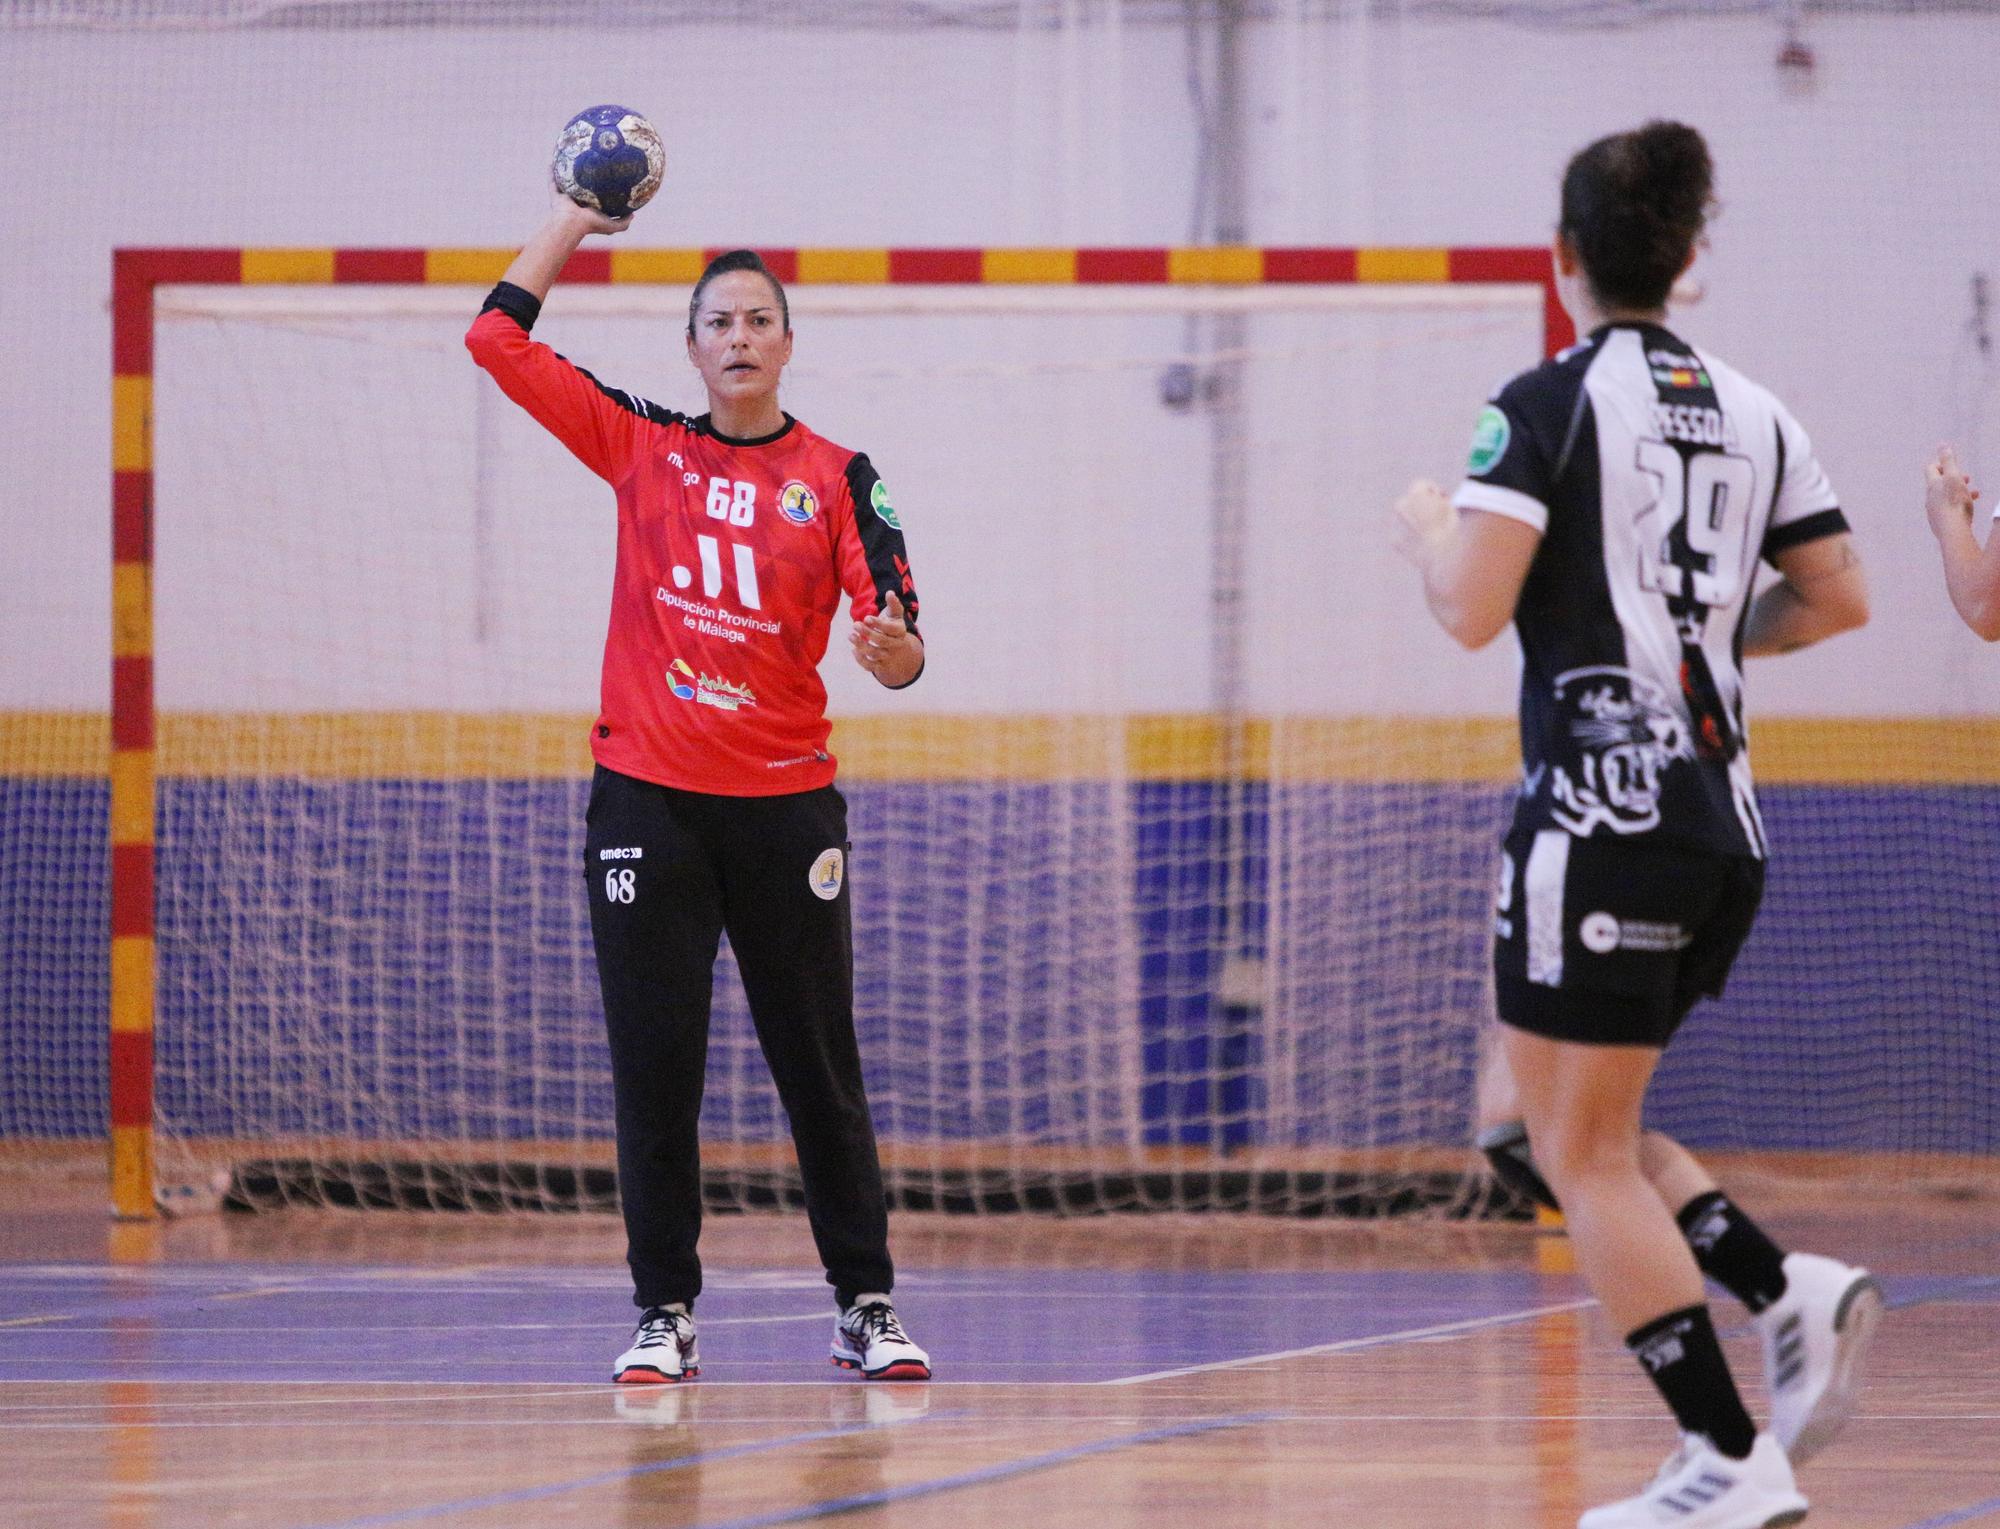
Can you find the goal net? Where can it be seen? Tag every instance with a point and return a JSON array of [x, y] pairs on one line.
[[1169, 877], [1172, 878]]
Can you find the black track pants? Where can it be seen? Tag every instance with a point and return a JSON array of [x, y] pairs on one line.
[[668, 872]]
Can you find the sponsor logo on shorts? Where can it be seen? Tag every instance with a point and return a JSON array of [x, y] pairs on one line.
[[1490, 438], [826, 875], [797, 503], [1603, 933], [623, 852]]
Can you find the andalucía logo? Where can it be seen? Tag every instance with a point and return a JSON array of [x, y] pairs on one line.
[[706, 689], [797, 503]]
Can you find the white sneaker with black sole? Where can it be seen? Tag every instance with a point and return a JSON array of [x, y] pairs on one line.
[[1701, 1488], [1816, 1337], [867, 1337], [663, 1350]]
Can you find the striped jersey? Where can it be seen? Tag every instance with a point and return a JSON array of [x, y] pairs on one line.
[[732, 558], [1659, 477]]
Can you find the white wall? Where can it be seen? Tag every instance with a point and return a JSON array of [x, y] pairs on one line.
[[1855, 216]]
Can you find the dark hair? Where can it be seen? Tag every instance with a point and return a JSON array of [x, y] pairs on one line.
[[737, 260], [1632, 206]]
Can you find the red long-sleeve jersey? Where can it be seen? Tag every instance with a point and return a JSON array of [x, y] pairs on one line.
[[732, 555]]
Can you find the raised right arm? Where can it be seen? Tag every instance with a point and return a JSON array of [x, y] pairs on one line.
[[598, 424]]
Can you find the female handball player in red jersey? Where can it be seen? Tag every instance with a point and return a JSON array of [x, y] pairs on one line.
[[712, 807]]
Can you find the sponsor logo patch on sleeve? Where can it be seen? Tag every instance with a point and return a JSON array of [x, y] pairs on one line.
[[1490, 437]]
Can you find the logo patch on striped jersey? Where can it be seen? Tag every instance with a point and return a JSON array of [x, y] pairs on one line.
[[1490, 438], [797, 503], [878, 498]]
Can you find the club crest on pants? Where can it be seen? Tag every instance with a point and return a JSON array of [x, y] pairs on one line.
[[826, 873]]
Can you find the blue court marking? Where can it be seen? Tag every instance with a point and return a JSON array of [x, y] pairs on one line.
[[603, 1478], [1961, 1516], [831, 1506], [284, 1324]]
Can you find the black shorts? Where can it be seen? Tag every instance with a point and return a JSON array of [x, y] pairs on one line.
[[1610, 941]]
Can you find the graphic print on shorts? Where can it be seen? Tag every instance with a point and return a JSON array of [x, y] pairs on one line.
[[826, 874], [1618, 734]]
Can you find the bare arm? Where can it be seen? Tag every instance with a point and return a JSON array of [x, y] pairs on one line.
[[1971, 574], [542, 258], [1822, 592], [1473, 562]]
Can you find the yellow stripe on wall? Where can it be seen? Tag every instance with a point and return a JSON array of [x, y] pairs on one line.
[[36, 744], [870, 267], [419, 745], [131, 424], [1175, 746], [657, 266], [306, 267], [1875, 751], [471, 268]]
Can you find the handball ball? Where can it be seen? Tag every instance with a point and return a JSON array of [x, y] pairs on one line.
[[610, 158]]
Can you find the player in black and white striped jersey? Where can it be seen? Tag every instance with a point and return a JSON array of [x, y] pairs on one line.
[[1617, 504]]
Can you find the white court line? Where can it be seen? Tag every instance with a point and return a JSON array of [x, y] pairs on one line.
[[982, 1423], [1346, 1345], [161, 1328], [457, 1394]]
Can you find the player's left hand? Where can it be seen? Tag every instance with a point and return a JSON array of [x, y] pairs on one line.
[[1948, 492], [885, 646], [1424, 521]]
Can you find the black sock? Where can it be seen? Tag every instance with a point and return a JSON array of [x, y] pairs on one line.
[[1733, 1251], [1682, 1355]]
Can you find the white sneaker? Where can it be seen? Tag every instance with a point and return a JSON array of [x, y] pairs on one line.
[[867, 1337], [662, 1350], [1701, 1488], [1815, 1337]]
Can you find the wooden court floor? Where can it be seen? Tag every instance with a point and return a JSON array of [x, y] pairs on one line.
[[309, 1370]]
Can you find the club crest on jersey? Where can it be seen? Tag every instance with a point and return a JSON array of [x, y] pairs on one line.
[[826, 875], [1622, 732], [1490, 438], [797, 503], [878, 499]]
